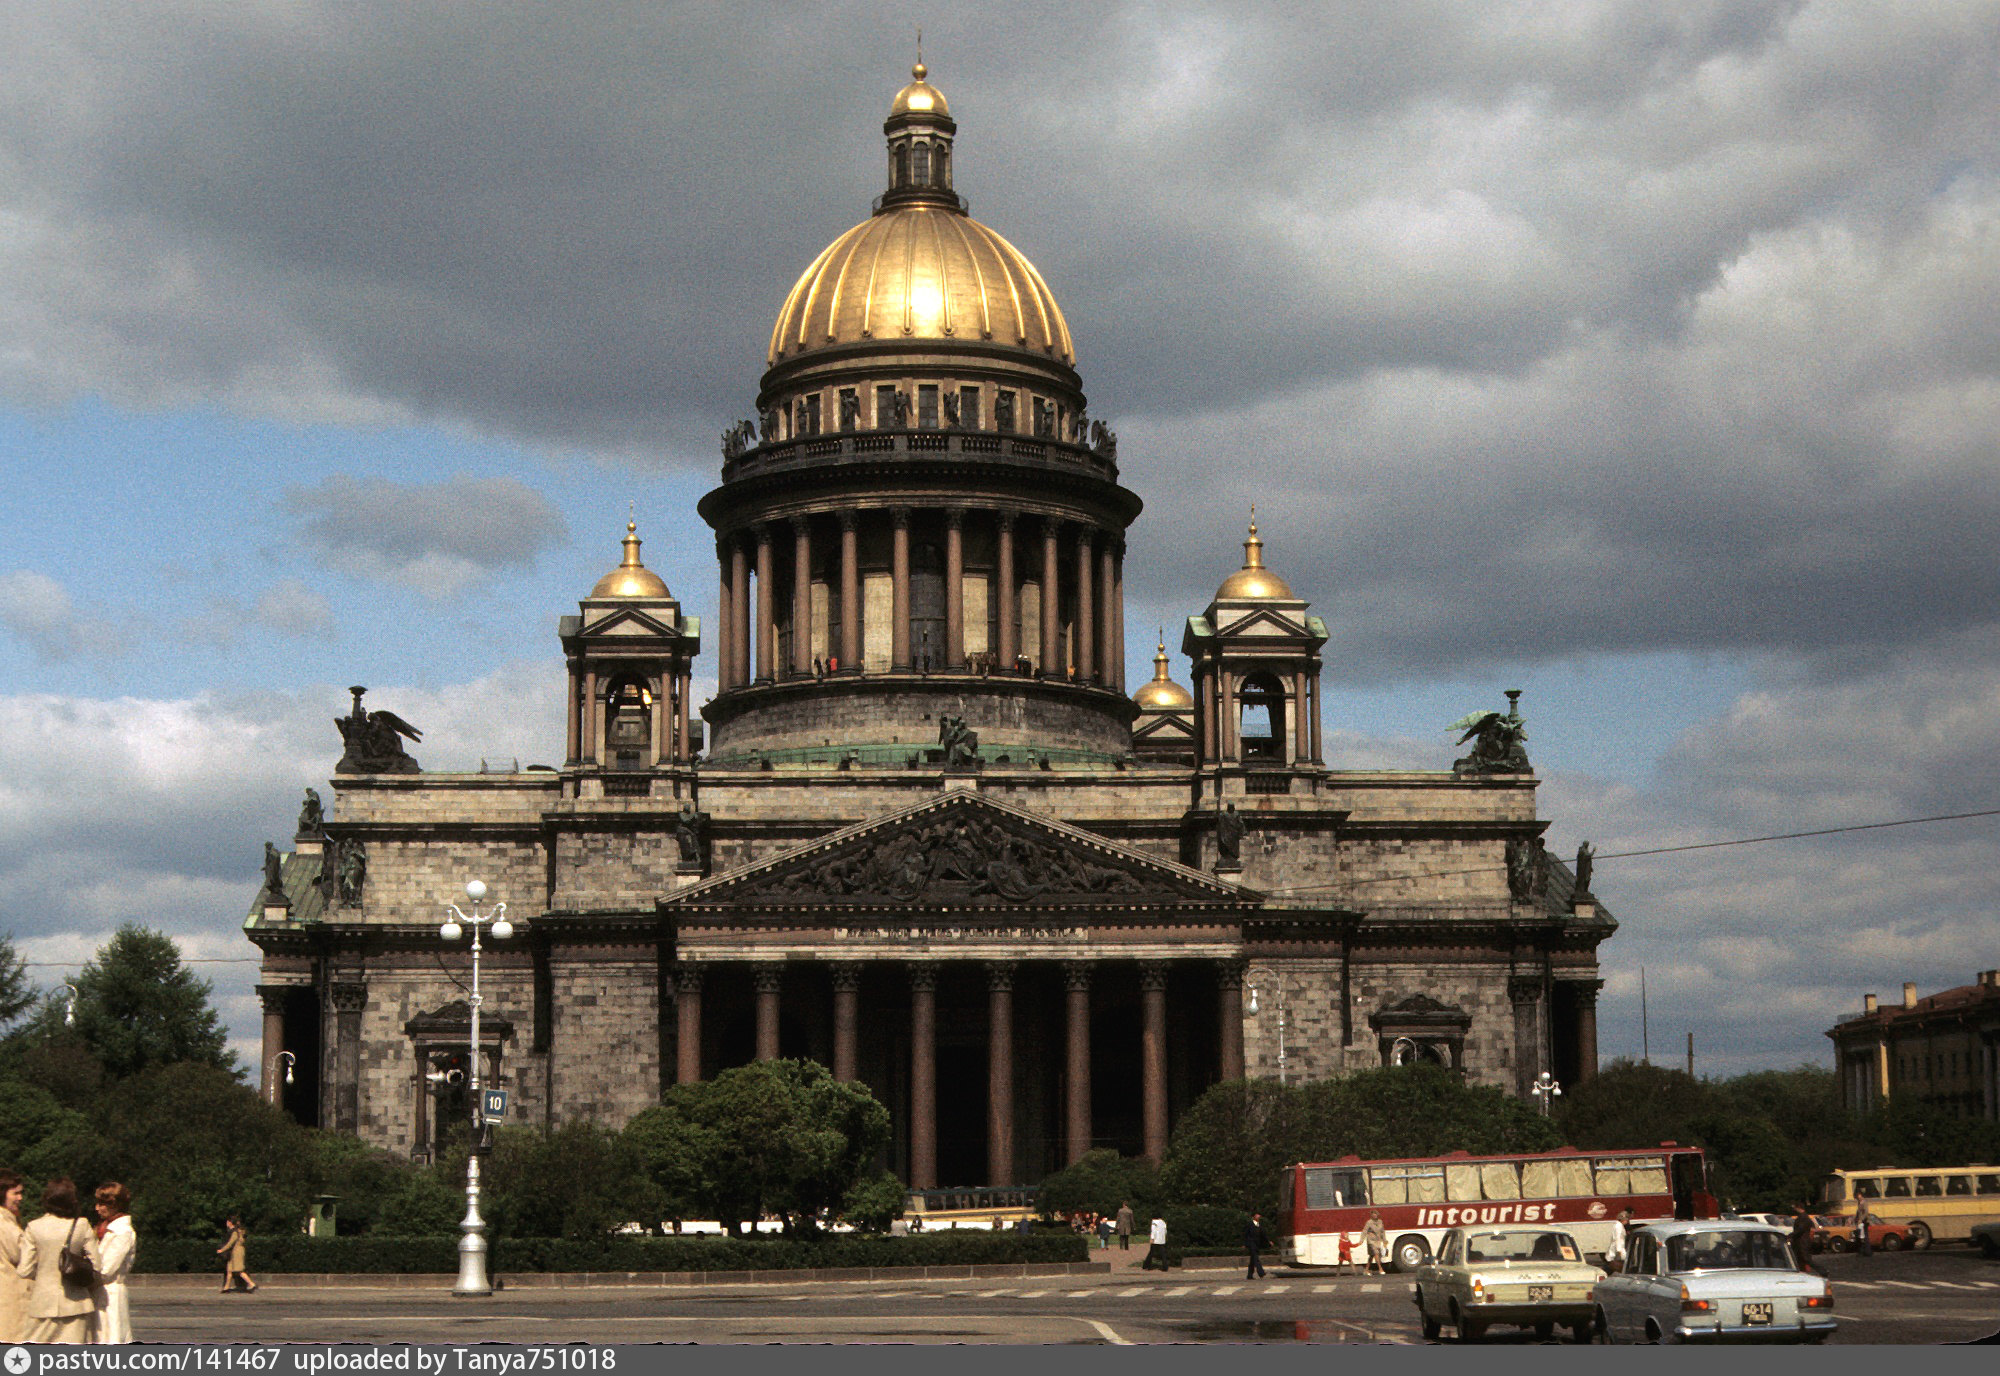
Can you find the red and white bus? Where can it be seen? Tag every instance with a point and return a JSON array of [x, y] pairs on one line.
[[1422, 1198]]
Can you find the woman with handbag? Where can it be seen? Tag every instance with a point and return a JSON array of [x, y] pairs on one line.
[[233, 1251], [59, 1261], [117, 1245]]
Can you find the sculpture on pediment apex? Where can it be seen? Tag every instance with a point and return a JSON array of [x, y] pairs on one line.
[[960, 742], [375, 741], [1498, 740]]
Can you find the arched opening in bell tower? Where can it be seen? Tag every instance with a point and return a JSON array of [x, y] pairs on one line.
[[1261, 726]]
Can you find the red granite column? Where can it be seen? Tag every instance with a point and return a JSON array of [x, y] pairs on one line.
[[769, 980], [725, 656], [687, 1024], [1052, 656], [923, 1075], [767, 619], [1000, 1073], [593, 734], [802, 598], [1009, 606], [954, 591], [1118, 614], [1153, 1057], [899, 573], [850, 593], [683, 750], [1076, 1097], [846, 1022], [1086, 610], [1229, 1011], [739, 613], [1110, 672], [1586, 1028], [1312, 692]]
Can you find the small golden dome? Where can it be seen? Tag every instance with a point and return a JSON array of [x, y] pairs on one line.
[[1253, 581], [919, 97], [631, 578], [1163, 694], [923, 271]]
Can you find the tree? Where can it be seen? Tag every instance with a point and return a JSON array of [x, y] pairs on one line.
[[1099, 1181], [17, 996], [1631, 1104], [1231, 1145], [874, 1202], [138, 1006], [577, 1181], [780, 1137]]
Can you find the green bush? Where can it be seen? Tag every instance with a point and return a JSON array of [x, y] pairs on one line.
[[1206, 1227], [378, 1255]]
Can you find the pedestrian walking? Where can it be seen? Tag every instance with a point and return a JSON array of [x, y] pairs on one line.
[[1124, 1227], [59, 1260], [117, 1245], [1255, 1240], [1346, 1258], [234, 1251], [13, 1289], [1614, 1252], [1104, 1232], [1863, 1243], [1156, 1250], [1802, 1236], [1376, 1239]]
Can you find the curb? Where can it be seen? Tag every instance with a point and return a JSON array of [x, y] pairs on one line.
[[560, 1280]]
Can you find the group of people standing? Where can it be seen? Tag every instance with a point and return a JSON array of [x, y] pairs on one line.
[[64, 1277]]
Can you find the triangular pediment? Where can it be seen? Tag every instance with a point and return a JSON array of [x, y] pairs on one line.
[[1264, 620], [963, 850], [632, 621]]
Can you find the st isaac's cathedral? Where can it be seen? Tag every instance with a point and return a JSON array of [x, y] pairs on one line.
[[927, 837]]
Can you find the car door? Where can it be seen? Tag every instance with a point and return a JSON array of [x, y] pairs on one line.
[[1624, 1316], [1442, 1277]]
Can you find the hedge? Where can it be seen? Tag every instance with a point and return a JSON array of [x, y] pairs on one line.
[[439, 1255]]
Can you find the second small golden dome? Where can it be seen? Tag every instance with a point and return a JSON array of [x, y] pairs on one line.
[[1162, 693]]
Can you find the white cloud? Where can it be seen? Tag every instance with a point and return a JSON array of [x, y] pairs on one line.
[[437, 539], [39, 610]]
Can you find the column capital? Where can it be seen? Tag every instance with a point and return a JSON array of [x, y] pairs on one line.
[[1153, 976], [1000, 976], [768, 976], [1232, 969], [1525, 988], [849, 518], [954, 517], [1585, 991], [899, 516], [846, 975], [272, 996], [349, 998], [687, 979], [923, 976], [1076, 975], [1003, 519]]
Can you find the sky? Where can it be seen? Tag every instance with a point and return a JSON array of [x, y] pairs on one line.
[[1643, 358]]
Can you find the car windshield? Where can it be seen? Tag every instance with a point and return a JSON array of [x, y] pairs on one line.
[[1720, 1249], [1520, 1246]]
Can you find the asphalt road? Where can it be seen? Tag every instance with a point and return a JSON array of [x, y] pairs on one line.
[[1944, 1295]]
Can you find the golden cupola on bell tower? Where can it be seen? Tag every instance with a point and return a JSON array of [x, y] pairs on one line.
[[922, 521]]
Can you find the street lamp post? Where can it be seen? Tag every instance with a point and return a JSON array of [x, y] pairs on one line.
[[69, 1005], [1254, 977], [1545, 1088], [284, 1061], [1402, 1051], [472, 1278]]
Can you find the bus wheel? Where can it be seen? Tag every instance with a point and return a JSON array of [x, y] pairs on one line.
[[1920, 1236], [1410, 1252]]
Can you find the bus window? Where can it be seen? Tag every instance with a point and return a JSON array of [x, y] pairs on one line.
[[1461, 1184], [1538, 1180], [1649, 1175], [1613, 1177], [1929, 1186], [1895, 1187], [1327, 1188], [1868, 1189], [1958, 1184], [1573, 1178], [1407, 1184], [1498, 1180], [1989, 1184]]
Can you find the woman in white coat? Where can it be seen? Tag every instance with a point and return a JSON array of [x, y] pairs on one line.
[[59, 1306], [13, 1290], [117, 1245]]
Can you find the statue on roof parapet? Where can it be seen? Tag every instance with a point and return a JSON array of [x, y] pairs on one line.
[[375, 741], [1498, 740]]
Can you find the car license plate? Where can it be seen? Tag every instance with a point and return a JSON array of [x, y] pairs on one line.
[[1546, 1292], [1757, 1313]]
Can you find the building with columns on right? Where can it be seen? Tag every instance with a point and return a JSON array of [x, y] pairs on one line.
[[925, 831], [1943, 1047]]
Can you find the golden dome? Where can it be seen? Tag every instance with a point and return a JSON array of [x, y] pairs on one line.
[[1163, 693], [919, 97], [631, 578], [922, 271], [1253, 581]]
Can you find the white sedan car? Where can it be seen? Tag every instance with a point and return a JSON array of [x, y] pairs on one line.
[[1528, 1277], [1712, 1280]]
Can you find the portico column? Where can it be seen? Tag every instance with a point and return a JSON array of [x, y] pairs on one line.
[[1010, 614], [575, 717], [1153, 1057], [683, 685], [769, 979], [1231, 740], [1586, 1028], [593, 734], [767, 623], [1107, 616], [846, 985], [1000, 1073], [725, 656], [923, 1075], [802, 598], [1297, 746], [687, 1024], [658, 723], [1118, 615], [954, 590], [1229, 1012], [1076, 1097], [899, 577], [1052, 656], [850, 593], [1204, 706], [272, 996], [1312, 692], [1086, 609], [739, 613]]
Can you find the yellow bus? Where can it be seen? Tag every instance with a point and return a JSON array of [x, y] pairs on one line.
[[1939, 1203]]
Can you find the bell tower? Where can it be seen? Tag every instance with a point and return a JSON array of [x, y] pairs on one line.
[[631, 655]]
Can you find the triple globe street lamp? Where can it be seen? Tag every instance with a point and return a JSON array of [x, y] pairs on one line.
[[472, 1277]]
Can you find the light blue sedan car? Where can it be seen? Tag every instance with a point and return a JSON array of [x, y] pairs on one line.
[[1712, 1280]]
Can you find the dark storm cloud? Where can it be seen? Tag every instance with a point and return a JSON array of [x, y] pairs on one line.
[[435, 538], [1549, 330]]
